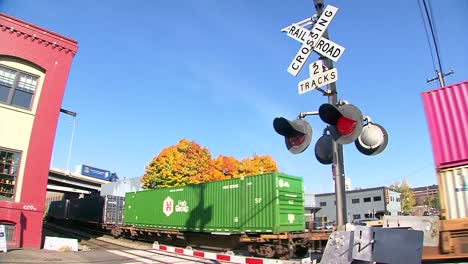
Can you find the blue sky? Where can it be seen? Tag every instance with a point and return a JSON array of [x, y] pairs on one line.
[[149, 73]]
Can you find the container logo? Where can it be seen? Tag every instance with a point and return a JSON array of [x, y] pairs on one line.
[[283, 183], [231, 186], [462, 186], [291, 218], [182, 207], [168, 206]]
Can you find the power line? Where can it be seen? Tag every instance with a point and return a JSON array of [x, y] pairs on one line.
[[433, 36], [427, 35]]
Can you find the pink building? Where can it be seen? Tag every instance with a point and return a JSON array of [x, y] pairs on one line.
[[34, 67]]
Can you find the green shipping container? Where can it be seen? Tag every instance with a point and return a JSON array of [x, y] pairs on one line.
[[266, 203]]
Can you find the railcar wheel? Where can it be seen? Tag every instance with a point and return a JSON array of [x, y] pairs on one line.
[[116, 232], [284, 251], [300, 251], [263, 251]]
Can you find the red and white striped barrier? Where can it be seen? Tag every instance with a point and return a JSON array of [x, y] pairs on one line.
[[225, 257]]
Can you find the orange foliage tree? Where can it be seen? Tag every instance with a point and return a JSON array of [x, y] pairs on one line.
[[225, 167], [256, 165], [187, 162], [178, 165]]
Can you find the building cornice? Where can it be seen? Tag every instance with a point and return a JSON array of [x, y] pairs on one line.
[[41, 36]]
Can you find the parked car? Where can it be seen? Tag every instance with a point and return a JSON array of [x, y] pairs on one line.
[[324, 226], [427, 213]]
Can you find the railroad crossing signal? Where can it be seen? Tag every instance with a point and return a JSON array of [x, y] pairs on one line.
[[324, 148], [297, 133], [345, 122], [372, 140]]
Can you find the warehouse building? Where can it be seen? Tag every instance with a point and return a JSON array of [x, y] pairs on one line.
[[360, 204]]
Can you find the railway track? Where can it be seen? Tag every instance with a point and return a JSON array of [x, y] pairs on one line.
[[137, 251], [109, 250]]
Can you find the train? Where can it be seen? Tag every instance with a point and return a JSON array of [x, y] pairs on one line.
[[262, 213]]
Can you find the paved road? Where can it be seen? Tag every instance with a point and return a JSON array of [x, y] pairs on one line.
[[109, 256], [154, 256]]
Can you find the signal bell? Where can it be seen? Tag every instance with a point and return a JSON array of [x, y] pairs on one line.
[[373, 139], [345, 122], [297, 133]]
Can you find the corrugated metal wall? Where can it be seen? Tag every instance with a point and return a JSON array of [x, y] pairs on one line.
[[263, 203], [447, 117], [453, 186]]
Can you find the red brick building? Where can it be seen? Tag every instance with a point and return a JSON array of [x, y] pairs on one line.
[[34, 67]]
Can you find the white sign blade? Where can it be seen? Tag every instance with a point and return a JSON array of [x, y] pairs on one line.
[[312, 39], [298, 33], [299, 59], [321, 25], [316, 67], [317, 81], [329, 49]]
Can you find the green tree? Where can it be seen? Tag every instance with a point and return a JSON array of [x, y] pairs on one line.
[[406, 195]]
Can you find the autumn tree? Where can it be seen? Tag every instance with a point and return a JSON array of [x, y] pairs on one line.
[[187, 162], [256, 165], [406, 197], [224, 167], [178, 165]]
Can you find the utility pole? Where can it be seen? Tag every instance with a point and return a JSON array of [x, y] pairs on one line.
[[338, 161]]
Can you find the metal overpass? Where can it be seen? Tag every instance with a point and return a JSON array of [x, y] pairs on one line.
[[72, 184]]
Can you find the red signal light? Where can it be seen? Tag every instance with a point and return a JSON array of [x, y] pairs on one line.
[[345, 126], [296, 141]]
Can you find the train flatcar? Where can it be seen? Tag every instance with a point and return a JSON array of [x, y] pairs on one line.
[[98, 210], [264, 211]]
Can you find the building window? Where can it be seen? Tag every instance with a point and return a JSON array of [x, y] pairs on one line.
[[356, 216], [367, 199], [355, 201], [9, 164], [17, 88], [377, 198], [397, 199], [323, 204]]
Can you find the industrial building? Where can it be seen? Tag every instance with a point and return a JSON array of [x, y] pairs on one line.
[[360, 204], [424, 194]]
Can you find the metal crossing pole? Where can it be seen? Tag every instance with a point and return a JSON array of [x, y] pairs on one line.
[[338, 162]]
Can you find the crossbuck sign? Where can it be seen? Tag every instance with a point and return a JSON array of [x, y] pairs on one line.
[[313, 40]]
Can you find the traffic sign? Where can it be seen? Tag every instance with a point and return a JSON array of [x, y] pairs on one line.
[[317, 80], [311, 39], [3, 242], [329, 49], [325, 47]]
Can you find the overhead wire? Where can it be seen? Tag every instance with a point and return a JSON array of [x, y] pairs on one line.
[[433, 36], [427, 34]]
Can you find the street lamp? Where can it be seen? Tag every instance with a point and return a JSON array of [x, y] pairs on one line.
[[68, 112]]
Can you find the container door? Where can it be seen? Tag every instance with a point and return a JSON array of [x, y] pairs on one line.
[[260, 201], [222, 206], [290, 203]]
